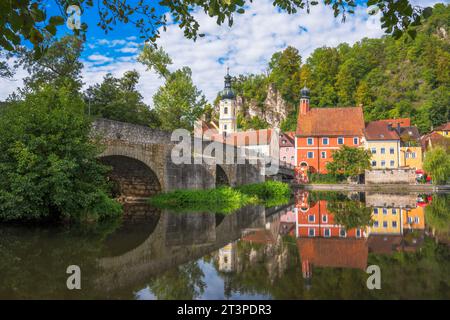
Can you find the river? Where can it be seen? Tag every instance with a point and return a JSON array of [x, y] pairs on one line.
[[319, 246]]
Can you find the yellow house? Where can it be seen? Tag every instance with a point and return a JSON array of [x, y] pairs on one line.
[[444, 129], [386, 221], [411, 157], [384, 143], [410, 148], [414, 218]]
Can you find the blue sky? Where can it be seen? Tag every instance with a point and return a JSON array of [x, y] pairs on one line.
[[246, 47]]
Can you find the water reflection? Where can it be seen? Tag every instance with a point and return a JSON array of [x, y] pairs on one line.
[[317, 247]]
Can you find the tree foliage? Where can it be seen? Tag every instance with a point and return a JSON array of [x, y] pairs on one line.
[[437, 164], [118, 99], [48, 163], [349, 161]]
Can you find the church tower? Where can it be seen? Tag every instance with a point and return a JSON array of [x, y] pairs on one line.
[[227, 108]]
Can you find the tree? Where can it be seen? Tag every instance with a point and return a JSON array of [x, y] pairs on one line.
[[59, 66], [178, 103], [349, 161], [285, 67], [437, 164], [350, 214], [28, 19], [48, 163], [437, 213], [118, 99]]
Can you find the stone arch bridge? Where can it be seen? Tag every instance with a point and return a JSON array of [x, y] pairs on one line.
[[142, 164]]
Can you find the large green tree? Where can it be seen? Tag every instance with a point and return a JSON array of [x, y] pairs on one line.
[[118, 99], [48, 163], [437, 164], [178, 103], [349, 161]]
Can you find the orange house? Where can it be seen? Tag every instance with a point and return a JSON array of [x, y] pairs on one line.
[[321, 131]]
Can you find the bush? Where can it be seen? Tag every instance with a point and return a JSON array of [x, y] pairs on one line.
[[224, 199]]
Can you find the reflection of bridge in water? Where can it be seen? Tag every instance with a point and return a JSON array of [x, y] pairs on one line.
[[177, 239]]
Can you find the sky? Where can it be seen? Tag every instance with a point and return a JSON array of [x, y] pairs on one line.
[[246, 47]]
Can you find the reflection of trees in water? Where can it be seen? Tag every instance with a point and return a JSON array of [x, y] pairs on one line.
[[424, 274], [184, 282], [33, 260], [350, 214], [437, 215]]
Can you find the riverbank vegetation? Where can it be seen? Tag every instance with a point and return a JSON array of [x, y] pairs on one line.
[[224, 199], [437, 164]]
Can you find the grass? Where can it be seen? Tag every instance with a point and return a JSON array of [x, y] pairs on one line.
[[223, 200]]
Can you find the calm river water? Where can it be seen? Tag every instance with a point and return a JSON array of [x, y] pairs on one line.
[[317, 247]]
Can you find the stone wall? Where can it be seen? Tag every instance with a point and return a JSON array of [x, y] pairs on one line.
[[390, 176], [383, 200]]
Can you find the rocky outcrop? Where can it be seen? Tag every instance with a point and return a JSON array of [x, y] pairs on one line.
[[274, 109]]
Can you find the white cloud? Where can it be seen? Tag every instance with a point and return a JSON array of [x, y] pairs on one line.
[[99, 58], [246, 47]]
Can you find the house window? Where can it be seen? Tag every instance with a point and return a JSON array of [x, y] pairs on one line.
[[374, 150], [374, 163], [225, 110], [342, 233], [375, 224], [311, 232], [325, 141], [383, 150], [310, 141], [392, 151], [324, 218], [310, 155], [384, 211], [311, 218], [392, 163], [284, 141], [394, 211], [340, 140], [327, 233], [416, 219], [407, 155], [292, 158], [224, 127], [284, 158], [383, 163], [385, 224], [358, 233], [375, 211], [394, 224], [355, 141], [410, 220], [413, 155], [323, 154]]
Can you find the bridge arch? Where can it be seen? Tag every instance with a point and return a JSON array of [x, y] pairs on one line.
[[132, 178], [222, 178]]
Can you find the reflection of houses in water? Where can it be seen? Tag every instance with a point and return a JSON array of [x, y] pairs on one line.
[[228, 258], [323, 243]]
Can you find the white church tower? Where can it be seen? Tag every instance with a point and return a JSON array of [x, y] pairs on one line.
[[227, 109]]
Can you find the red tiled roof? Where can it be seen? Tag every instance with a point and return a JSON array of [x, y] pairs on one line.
[[384, 244], [289, 138], [435, 139], [379, 130], [246, 138], [404, 122], [444, 127], [259, 236], [334, 252], [331, 122]]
